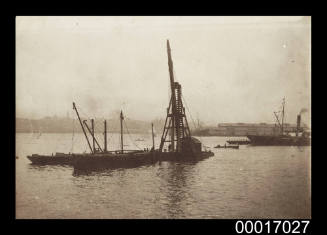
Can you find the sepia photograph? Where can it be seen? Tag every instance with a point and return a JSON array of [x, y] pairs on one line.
[[163, 117]]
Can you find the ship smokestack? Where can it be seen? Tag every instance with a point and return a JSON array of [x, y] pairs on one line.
[[298, 124]]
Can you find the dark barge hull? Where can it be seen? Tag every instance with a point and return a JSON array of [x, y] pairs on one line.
[[227, 147], [259, 140], [85, 161], [65, 159], [134, 160], [239, 142]]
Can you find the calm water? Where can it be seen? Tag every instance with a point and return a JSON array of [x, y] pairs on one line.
[[252, 182]]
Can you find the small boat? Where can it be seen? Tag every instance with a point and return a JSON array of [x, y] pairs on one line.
[[238, 142], [139, 140], [228, 146]]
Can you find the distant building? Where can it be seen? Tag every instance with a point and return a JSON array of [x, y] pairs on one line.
[[243, 129]]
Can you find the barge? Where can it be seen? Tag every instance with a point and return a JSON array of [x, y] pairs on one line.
[[177, 143]]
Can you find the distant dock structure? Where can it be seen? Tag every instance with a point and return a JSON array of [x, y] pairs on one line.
[[244, 129]]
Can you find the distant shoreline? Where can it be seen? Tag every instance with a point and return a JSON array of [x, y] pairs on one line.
[[78, 132], [117, 132]]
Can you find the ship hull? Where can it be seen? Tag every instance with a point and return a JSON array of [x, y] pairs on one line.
[[259, 140], [239, 142], [113, 161], [227, 147], [110, 160], [135, 160], [66, 159]]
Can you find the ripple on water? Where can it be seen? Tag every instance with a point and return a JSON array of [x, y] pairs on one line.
[[252, 182]]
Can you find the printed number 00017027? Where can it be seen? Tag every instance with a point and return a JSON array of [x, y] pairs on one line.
[[275, 226]]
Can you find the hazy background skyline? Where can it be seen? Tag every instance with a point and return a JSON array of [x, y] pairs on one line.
[[232, 69]]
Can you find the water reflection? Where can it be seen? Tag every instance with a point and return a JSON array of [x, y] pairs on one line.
[[265, 182], [84, 172], [177, 178], [104, 171], [174, 181], [97, 172], [301, 148], [37, 167], [45, 167]]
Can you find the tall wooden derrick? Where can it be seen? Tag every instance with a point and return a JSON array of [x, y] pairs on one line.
[[176, 122]]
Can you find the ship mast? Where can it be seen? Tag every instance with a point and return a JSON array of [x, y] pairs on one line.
[[121, 131], [152, 137], [283, 112], [277, 119], [105, 136], [92, 126], [91, 132]]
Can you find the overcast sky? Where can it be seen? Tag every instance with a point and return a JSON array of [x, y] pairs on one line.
[[232, 69]]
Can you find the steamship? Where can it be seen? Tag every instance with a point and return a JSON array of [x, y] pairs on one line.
[[301, 138]]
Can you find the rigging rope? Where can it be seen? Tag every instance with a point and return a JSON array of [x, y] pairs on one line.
[[188, 110], [96, 126], [176, 80], [110, 137], [98, 135], [129, 135], [72, 149]]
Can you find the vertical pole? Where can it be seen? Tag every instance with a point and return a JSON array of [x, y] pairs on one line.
[[298, 124], [92, 123], [79, 119], [152, 137], [283, 116], [121, 131], [105, 135], [91, 135], [173, 96]]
